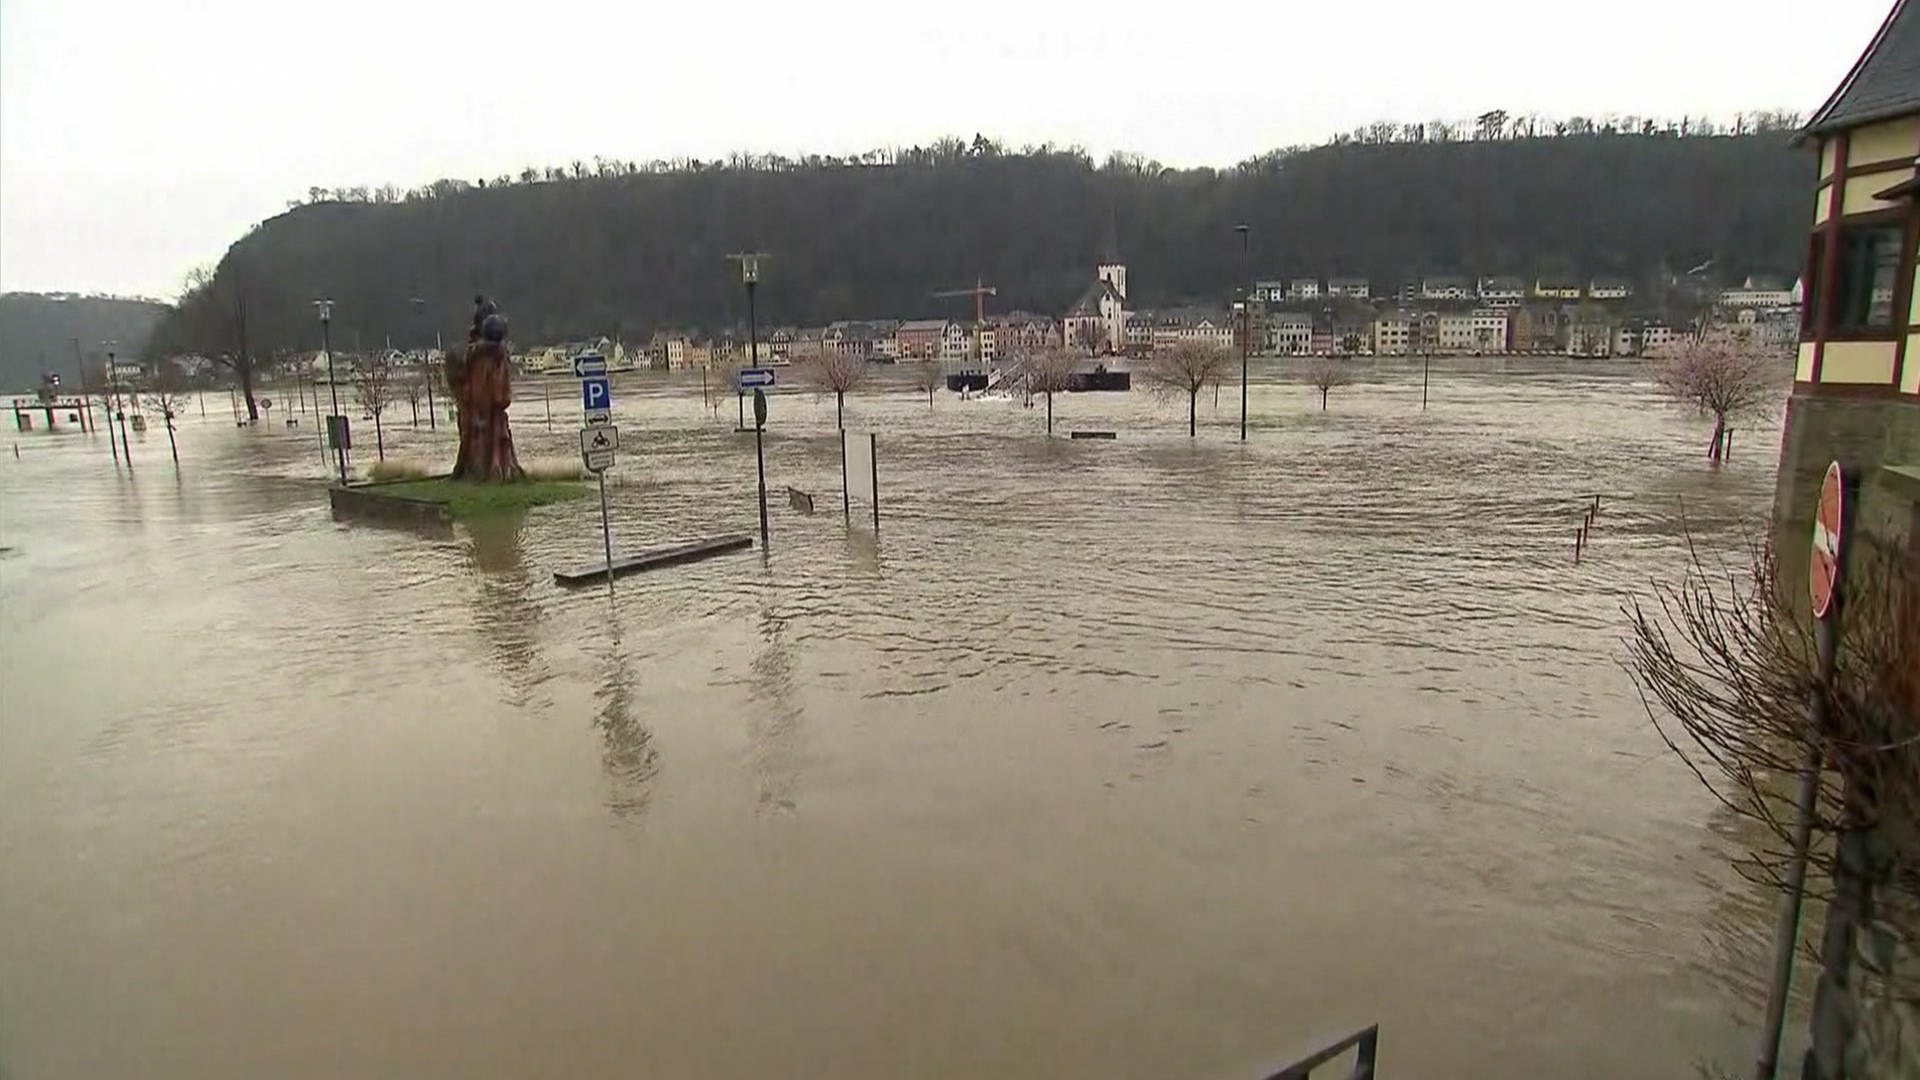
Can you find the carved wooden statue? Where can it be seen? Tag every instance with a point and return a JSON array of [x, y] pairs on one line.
[[480, 375]]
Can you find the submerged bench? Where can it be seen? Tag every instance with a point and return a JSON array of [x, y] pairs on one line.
[[652, 558]]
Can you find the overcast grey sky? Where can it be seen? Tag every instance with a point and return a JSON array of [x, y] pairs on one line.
[[138, 139]]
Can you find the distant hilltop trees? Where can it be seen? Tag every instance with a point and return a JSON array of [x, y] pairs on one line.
[[1493, 125], [624, 248]]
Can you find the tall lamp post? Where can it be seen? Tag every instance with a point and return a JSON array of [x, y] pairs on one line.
[[750, 277], [336, 424], [426, 365], [1246, 327], [87, 403], [119, 407]]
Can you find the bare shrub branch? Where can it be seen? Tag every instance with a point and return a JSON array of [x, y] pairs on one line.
[[1726, 669]]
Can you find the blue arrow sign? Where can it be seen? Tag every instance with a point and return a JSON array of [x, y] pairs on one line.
[[588, 365], [596, 394], [753, 377]]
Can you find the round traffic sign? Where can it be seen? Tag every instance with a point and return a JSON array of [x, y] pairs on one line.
[[1824, 569]]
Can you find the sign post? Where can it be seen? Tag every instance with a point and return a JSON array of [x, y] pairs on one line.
[[598, 446], [759, 457], [599, 439], [755, 379], [1823, 581]]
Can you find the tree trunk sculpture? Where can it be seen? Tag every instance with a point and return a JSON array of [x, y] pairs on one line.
[[481, 379]]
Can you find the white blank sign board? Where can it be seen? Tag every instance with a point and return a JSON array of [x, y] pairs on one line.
[[857, 452]]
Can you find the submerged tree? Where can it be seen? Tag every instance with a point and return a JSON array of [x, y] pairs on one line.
[[929, 378], [1051, 373], [1721, 376], [837, 373], [163, 392], [211, 320], [411, 388], [1325, 373], [1183, 371], [373, 385]]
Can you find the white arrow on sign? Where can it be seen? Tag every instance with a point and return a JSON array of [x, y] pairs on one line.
[[589, 366], [751, 378]]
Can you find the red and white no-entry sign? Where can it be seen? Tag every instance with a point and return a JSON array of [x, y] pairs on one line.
[[1824, 570]]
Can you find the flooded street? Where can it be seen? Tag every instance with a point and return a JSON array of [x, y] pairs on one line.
[[1145, 758]]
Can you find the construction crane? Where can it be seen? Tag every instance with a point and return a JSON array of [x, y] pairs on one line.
[[979, 292]]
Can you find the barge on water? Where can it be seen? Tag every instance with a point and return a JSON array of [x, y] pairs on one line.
[[1100, 379], [967, 380]]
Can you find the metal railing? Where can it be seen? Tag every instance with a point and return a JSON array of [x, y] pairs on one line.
[[1364, 1043]]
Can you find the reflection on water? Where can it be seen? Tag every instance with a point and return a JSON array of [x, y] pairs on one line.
[[773, 722], [504, 610], [628, 754], [1151, 757]]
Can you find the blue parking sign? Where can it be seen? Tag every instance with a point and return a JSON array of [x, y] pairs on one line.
[[596, 394]]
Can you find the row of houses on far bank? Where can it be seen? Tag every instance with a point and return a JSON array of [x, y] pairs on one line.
[[1598, 317]]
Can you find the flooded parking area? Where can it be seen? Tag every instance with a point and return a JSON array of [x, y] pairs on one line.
[[1147, 758]]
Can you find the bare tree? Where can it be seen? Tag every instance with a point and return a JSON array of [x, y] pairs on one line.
[[837, 373], [212, 322], [373, 385], [1051, 373], [412, 387], [1325, 373], [1721, 376], [928, 378], [1183, 371], [163, 392], [1724, 661]]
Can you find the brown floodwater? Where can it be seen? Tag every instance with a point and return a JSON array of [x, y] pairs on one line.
[[1145, 758]]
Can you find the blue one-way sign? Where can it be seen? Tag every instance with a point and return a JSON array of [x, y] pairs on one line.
[[755, 377], [596, 394], [587, 365]]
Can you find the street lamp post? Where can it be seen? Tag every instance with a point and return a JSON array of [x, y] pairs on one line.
[[87, 402], [750, 277], [426, 365], [1246, 327], [113, 379], [325, 310]]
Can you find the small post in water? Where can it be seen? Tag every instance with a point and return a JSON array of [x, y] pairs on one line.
[[760, 458], [606, 532]]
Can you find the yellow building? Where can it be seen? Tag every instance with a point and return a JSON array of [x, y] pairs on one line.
[[1856, 394]]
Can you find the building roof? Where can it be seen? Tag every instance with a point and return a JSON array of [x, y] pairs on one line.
[[1184, 316], [938, 326], [1884, 82], [1504, 284], [1089, 302], [1339, 282]]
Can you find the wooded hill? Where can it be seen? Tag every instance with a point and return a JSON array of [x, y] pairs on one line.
[[623, 250], [39, 332]]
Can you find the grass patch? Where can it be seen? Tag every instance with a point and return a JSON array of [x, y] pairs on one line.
[[397, 469], [468, 500], [555, 469]]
